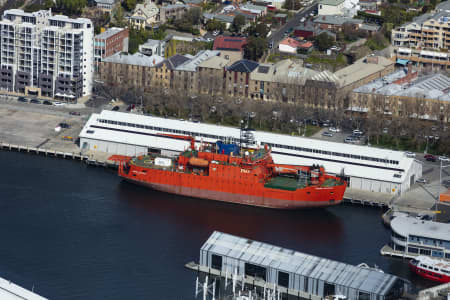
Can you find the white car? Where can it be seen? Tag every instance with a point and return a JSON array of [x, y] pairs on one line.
[[302, 20], [215, 33], [334, 129], [357, 132], [410, 154], [443, 158], [58, 103], [422, 180]]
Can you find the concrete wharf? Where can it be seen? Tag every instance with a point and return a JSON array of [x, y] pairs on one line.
[[90, 159]]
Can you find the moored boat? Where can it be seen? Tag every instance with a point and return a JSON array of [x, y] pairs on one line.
[[251, 178], [431, 268]]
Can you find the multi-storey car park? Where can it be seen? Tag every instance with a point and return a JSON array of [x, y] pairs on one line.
[[45, 55], [365, 168]]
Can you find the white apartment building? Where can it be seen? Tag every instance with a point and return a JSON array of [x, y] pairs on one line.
[[45, 55], [331, 7]]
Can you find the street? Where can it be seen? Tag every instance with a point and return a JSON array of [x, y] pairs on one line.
[[292, 23]]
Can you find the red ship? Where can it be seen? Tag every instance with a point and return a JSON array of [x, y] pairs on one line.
[[431, 268], [251, 179]]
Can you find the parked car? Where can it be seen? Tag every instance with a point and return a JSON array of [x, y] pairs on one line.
[[302, 20], [410, 154], [326, 133], [443, 158], [67, 138], [424, 217], [116, 108], [57, 103], [446, 183], [429, 157], [46, 102], [334, 129], [357, 132], [385, 130], [349, 140], [74, 113], [35, 101], [421, 180], [64, 125], [22, 99]]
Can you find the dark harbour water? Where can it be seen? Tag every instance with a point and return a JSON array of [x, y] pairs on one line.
[[79, 232]]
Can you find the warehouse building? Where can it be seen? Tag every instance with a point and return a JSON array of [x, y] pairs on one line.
[[365, 168], [295, 273]]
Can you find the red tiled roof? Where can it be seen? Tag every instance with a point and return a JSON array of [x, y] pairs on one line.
[[306, 45], [290, 42], [231, 43]]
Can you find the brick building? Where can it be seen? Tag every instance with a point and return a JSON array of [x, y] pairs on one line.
[[110, 42]]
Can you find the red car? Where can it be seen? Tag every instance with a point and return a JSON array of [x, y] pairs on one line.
[[430, 157]]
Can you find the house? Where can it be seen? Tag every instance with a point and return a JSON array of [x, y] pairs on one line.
[[305, 30], [305, 47], [105, 5], [144, 15], [336, 22], [152, 47], [281, 18], [249, 17], [226, 19], [289, 45], [230, 47], [172, 12], [331, 7], [256, 10]]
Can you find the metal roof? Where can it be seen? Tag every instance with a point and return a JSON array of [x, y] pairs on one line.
[[137, 59], [243, 66], [331, 2], [11, 291], [109, 33], [191, 65], [361, 69], [336, 20], [407, 226], [333, 272], [333, 164]]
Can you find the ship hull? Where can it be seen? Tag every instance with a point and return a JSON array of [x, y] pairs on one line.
[[252, 200], [429, 274]]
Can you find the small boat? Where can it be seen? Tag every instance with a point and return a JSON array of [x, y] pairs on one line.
[[431, 268]]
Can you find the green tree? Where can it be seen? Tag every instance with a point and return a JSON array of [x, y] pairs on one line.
[[212, 25], [70, 7], [238, 22], [256, 30], [137, 37], [118, 16], [255, 48], [129, 5], [324, 41]]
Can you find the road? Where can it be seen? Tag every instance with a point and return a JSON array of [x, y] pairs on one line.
[[277, 36]]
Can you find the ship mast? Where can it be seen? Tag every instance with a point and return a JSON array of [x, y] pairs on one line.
[[247, 137]]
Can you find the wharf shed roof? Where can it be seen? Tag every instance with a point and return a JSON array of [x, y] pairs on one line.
[[11, 291], [266, 255], [351, 166], [407, 226]]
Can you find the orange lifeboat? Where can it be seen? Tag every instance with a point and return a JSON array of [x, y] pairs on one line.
[[198, 162]]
